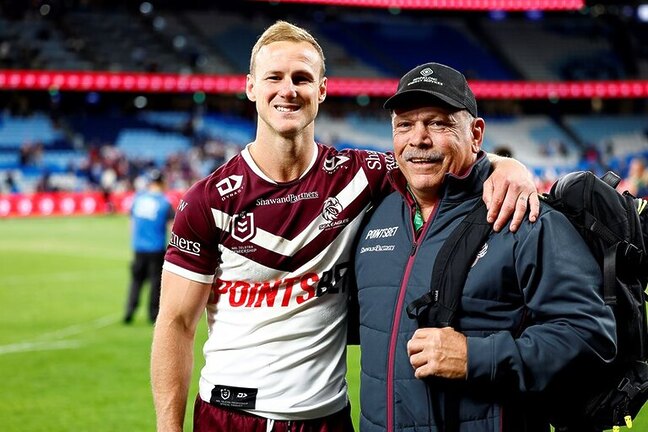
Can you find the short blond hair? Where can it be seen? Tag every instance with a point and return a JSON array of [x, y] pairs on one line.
[[282, 31]]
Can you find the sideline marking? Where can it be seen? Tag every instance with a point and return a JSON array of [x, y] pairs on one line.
[[38, 346], [55, 340], [71, 276]]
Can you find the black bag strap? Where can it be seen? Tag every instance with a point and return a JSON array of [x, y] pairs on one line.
[[438, 307], [451, 267], [610, 274]]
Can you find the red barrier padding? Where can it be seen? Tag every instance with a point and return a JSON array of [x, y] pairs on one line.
[[375, 87], [70, 203]]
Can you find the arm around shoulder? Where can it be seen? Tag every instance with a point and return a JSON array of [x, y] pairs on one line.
[[508, 192], [182, 303]]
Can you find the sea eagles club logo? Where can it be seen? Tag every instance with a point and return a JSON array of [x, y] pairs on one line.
[[243, 228], [332, 208]]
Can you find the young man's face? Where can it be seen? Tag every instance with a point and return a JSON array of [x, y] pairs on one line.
[[432, 141], [287, 87]]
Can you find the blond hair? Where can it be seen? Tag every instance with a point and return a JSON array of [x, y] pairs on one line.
[[282, 31]]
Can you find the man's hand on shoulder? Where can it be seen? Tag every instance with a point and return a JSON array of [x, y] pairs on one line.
[[508, 192]]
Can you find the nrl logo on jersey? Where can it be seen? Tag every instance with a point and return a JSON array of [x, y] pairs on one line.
[[225, 393], [332, 163], [243, 228], [229, 186]]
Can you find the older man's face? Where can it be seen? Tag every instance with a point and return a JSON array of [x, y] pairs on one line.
[[432, 141]]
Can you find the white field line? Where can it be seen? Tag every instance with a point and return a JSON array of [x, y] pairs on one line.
[[38, 346], [61, 249], [55, 339], [7, 280]]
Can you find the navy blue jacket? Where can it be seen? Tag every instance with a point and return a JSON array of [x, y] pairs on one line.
[[530, 309]]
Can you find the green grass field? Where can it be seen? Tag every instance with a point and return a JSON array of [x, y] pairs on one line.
[[67, 363]]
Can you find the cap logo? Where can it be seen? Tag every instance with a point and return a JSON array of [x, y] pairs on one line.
[[425, 78]]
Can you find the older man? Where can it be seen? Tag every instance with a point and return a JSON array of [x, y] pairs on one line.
[[530, 308]]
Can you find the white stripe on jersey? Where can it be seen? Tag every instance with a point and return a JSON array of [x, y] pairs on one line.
[[237, 267], [286, 247]]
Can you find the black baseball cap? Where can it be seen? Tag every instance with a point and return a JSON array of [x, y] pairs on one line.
[[433, 82]]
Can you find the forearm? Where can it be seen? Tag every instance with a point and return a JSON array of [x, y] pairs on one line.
[[171, 367]]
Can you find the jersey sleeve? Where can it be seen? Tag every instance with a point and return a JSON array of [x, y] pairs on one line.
[[377, 166], [193, 245]]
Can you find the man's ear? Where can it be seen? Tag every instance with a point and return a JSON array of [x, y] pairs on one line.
[[322, 89], [478, 128], [249, 88]]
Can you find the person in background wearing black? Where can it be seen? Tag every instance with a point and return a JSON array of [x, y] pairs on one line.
[[150, 214]]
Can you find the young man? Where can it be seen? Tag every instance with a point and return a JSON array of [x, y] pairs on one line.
[[262, 244], [530, 309]]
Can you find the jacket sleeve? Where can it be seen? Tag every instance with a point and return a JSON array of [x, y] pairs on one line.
[[567, 323]]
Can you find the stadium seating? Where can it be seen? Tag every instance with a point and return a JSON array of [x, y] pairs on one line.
[[37, 128], [144, 144], [570, 48], [358, 43], [397, 44]]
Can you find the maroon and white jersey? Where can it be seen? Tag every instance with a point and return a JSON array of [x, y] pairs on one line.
[[275, 253]]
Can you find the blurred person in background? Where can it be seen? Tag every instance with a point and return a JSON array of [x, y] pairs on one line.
[[636, 182], [262, 244], [530, 310], [150, 214]]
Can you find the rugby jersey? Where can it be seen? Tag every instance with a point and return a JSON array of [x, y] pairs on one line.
[[275, 254]]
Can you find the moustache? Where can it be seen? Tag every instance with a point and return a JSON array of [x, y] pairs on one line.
[[418, 155]]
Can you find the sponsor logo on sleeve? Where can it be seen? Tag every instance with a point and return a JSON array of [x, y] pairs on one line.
[[390, 161], [182, 244], [229, 186], [375, 161], [182, 205], [331, 164], [243, 228]]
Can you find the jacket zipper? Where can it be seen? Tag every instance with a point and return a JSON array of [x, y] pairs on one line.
[[393, 339]]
